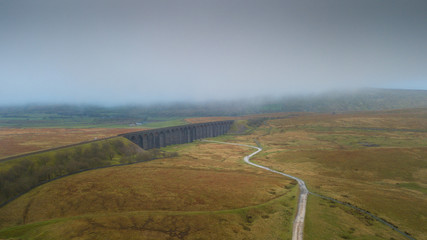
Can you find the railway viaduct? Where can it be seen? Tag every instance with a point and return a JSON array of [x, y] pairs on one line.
[[162, 137]]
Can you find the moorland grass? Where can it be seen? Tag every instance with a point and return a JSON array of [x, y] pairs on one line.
[[338, 155], [382, 171], [205, 192], [329, 220], [269, 220], [16, 141], [19, 175]]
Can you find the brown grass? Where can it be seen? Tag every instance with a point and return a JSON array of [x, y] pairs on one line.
[[207, 192], [328, 220], [265, 223], [198, 195], [380, 170], [15, 141], [141, 188]]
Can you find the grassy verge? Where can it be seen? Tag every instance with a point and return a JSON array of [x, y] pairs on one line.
[[329, 220]]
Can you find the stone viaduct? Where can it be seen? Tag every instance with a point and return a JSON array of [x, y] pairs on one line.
[[162, 137]]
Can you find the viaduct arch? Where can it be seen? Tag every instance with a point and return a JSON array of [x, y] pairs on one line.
[[162, 137]]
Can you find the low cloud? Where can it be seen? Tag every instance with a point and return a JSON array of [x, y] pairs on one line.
[[159, 51]]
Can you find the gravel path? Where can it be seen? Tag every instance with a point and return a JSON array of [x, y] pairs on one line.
[[298, 227]]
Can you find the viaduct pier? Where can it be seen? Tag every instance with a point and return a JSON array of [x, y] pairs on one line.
[[162, 137]]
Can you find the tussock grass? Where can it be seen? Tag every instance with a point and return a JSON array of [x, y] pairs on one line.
[[266, 221], [375, 160], [205, 192], [19, 175], [328, 220]]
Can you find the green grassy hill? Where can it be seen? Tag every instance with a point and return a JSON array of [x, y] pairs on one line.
[[20, 174]]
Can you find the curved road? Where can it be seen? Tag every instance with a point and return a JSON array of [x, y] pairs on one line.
[[298, 228]]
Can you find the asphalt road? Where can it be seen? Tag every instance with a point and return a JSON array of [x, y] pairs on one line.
[[298, 227]]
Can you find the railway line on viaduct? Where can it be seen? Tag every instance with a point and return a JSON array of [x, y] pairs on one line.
[[158, 137], [162, 137]]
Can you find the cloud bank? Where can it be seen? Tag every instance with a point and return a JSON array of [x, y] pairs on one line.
[[117, 52]]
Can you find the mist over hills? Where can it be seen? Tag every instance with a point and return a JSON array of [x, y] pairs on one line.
[[357, 100]]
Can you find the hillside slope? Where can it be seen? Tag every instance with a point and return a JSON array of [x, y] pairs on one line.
[[206, 192], [20, 174]]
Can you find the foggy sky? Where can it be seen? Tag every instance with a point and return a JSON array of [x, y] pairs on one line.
[[125, 51]]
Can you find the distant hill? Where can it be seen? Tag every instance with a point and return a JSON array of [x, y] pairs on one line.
[[88, 115], [361, 100]]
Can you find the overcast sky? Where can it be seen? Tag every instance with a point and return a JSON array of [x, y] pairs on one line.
[[124, 51]]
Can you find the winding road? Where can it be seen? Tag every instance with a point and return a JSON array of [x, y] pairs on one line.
[[298, 227]]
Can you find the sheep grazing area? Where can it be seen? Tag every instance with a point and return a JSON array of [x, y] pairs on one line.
[[374, 160]]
